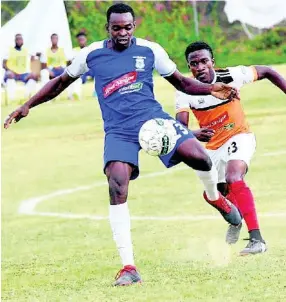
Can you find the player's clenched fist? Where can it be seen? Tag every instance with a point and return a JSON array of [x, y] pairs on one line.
[[16, 115], [204, 134], [223, 91]]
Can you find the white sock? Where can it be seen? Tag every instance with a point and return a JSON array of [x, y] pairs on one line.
[[11, 89], [45, 76], [70, 90], [75, 88], [121, 228], [210, 180], [30, 87]]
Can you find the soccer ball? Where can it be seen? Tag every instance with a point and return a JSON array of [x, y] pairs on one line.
[[158, 136]]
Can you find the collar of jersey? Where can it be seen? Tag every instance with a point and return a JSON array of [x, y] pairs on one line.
[[215, 78]]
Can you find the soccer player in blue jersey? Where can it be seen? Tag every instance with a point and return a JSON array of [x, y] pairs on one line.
[[123, 69]]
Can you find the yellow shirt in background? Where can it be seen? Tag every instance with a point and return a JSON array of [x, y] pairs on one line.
[[56, 59], [76, 50], [19, 60]]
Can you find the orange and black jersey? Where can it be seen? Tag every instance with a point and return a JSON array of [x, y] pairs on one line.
[[224, 116]]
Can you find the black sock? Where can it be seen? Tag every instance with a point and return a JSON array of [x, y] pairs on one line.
[[255, 234]]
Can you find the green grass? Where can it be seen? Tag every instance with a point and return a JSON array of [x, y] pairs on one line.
[[54, 259]]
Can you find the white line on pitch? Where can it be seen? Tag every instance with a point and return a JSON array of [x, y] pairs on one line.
[[148, 218], [274, 153], [28, 206]]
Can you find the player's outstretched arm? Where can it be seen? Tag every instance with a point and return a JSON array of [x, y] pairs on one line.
[[194, 87], [265, 72], [52, 89], [167, 68]]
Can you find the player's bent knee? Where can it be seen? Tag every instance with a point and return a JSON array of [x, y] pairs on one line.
[[207, 163], [118, 189], [33, 76], [10, 75], [233, 177], [118, 175], [235, 171], [194, 155], [202, 163]]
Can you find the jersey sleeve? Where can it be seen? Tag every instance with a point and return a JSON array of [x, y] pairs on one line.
[[243, 75], [78, 65], [163, 64], [182, 102]]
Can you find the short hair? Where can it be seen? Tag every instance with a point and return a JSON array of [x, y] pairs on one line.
[[80, 34], [18, 35], [54, 35], [119, 8], [198, 45]]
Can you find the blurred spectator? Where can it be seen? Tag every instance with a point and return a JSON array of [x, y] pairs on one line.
[[54, 60], [82, 42], [17, 66], [74, 91]]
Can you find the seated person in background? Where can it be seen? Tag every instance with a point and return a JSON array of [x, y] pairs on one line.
[[54, 61], [17, 66], [74, 90], [82, 42]]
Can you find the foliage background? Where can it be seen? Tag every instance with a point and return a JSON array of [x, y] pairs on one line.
[[171, 24]]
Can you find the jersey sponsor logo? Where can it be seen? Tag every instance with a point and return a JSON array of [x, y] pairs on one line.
[[116, 84], [217, 122], [131, 88], [229, 126], [139, 63]]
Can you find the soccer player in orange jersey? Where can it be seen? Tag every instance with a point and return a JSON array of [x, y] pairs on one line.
[[230, 142]]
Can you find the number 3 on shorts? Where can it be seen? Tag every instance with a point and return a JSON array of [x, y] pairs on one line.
[[232, 148], [182, 130]]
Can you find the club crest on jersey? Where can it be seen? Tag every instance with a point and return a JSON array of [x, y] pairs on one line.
[[139, 63]]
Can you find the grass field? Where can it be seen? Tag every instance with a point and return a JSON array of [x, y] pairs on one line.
[[45, 258]]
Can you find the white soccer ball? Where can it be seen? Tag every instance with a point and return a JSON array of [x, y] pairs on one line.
[[158, 136]]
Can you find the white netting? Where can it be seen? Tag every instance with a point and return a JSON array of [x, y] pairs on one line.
[[257, 13], [36, 22]]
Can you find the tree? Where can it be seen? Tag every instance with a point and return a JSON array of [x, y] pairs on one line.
[[10, 9]]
